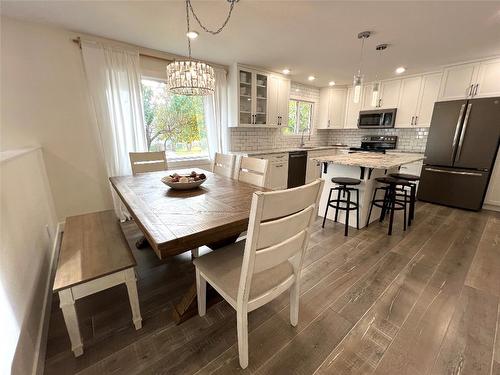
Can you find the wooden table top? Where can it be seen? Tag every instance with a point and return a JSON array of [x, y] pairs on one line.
[[93, 246], [176, 221]]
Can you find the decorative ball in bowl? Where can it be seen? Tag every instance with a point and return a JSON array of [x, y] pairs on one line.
[[186, 182]]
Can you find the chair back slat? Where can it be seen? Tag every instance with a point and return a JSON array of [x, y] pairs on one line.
[[283, 203], [142, 162], [253, 171], [276, 231], [272, 256], [224, 165]]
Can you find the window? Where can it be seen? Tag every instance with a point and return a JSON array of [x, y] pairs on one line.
[[174, 123], [299, 116]]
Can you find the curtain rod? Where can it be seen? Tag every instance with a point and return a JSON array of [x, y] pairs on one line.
[[78, 41]]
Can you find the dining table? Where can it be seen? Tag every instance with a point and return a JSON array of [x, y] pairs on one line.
[[176, 221]]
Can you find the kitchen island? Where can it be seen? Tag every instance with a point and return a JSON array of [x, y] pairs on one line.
[[365, 166]]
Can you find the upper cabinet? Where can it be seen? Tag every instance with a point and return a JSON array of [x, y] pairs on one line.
[[332, 103], [256, 98], [279, 95], [351, 111], [416, 101], [465, 81], [387, 97], [367, 101]]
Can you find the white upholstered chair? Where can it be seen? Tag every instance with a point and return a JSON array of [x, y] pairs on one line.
[[251, 273], [142, 162], [224, 165], [252, 171]]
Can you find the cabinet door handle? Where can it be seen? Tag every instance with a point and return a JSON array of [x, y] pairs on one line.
[[380, 102], [475, 89], [416, 120], [279, 165], [471, 89], [328, 122], [412, 118]]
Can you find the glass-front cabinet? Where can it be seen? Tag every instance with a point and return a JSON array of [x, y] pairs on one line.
[[253, 90], [257, 98]]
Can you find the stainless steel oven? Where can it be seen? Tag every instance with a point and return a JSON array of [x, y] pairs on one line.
[[377, 119]]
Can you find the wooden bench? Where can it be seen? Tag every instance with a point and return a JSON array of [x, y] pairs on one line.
[[94, 256]]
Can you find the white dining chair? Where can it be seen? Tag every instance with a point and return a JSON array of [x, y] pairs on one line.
[[252, 171], [250, 273], [224, 165], [142, 162]]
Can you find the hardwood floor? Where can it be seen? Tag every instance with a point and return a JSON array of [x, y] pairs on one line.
[[424, 301]]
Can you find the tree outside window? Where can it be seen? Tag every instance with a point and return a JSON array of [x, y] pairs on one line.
[[299, 116], [174, 123]]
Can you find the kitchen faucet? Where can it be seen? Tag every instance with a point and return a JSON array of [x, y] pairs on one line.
[[302, 144]]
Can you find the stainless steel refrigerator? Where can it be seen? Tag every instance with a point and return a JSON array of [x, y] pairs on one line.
[[461, 150]]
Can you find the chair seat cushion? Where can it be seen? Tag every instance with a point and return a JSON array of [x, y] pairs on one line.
[[345, 181], [405, 176], [222, 267]]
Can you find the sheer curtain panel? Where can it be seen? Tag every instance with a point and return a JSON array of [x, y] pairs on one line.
[[215, 108], [114, 83]]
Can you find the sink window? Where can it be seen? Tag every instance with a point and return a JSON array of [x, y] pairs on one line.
[[299, 116]]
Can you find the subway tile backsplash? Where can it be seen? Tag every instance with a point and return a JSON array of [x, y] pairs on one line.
[[248, 139]]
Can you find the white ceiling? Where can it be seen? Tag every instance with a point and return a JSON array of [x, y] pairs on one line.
[[309, 37]]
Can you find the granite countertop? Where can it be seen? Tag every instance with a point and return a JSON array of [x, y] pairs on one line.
[[372, 159], [288, 149]]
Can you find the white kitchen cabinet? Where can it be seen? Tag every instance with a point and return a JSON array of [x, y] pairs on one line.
[[257, 98], [429, 91], [416, 101], [473, 80], [277, 174], [351, 111], [408, 101], [488, 79], [457, 82], [332, 103], [313, 170], [492, 199], [366, 98], [389, 93], [279, 95]]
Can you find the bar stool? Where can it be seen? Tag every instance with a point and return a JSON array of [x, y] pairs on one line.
[[412, 179], [343, 183], [390, 202]]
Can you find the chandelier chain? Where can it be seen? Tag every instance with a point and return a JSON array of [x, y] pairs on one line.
[[188, 3], [187, 23]]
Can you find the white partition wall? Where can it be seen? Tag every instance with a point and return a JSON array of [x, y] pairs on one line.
[[28, 231]]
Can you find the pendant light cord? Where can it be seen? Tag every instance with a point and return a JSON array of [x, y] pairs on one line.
[[361, 55], [187, 23]]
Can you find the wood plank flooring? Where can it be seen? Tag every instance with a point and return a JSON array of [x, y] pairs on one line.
[[424, 301]]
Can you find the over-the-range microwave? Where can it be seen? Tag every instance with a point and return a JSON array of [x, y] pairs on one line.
[[377, 119]]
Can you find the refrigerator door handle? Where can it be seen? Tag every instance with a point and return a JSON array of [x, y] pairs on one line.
[[457, 128], [453, 172], [462, 134]]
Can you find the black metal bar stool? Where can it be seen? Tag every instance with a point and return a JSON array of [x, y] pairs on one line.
[[390, 202], [412, 179], [343, 183]]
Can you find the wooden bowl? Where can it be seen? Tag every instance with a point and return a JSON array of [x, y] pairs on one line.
[[182, 185]]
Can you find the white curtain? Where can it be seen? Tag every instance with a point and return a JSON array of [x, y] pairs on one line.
[[215, 108], [114, 83]]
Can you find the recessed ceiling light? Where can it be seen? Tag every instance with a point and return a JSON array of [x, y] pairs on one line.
[[331, 83], [286, 71], [192, 34], [400, 70], [311, 78]]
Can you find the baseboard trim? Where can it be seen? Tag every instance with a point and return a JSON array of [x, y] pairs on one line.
[[39, 361], [491, 207]]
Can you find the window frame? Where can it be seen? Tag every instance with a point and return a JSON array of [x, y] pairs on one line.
[[297, 130], [182, 161]]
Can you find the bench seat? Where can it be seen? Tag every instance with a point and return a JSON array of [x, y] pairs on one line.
[[94, 256]]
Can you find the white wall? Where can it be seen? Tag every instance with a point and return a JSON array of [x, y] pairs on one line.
[[27, 232], [44, 102]]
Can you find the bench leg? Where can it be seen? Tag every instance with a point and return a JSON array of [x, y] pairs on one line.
[[67, 304], [130, 281]]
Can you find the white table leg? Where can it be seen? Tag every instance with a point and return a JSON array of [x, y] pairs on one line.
[[67, 304], [130, 281]]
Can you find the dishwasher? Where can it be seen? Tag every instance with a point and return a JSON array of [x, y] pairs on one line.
[[297, 164]]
